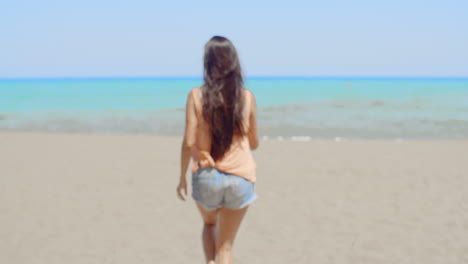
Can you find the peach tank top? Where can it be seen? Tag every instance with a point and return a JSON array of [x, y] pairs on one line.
[[238, 160]]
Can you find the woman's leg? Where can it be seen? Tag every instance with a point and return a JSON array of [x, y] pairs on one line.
[[229, 221], [209, 233]]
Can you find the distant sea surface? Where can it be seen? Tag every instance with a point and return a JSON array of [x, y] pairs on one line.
[[288, 108]]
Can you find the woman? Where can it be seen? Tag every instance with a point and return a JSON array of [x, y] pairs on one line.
[[220, 132]]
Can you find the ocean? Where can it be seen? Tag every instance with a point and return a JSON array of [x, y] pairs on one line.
[[288, 108]]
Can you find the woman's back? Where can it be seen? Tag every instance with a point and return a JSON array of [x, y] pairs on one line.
[[238, 159]]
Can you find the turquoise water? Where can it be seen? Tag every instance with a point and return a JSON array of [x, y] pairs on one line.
[[288, 107]]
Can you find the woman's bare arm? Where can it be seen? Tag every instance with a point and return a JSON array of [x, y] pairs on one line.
[[187, 145], [253, 133]]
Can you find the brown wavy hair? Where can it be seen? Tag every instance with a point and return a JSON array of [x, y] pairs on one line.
[[222, 97]]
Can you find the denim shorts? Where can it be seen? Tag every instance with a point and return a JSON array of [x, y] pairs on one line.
[[215, 189]]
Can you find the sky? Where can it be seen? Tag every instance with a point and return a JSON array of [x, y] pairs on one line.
[[143, 38]]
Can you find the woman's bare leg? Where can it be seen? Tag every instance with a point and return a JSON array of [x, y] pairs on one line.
[[209, 233], [228, 223]]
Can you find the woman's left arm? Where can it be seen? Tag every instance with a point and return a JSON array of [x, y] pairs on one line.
[[187, 144]]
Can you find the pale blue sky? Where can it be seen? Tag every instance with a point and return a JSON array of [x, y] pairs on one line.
[[90, 38]]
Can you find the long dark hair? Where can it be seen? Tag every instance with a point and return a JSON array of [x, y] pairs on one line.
[[222, 97]]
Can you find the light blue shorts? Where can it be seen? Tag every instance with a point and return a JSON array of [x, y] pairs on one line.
[[214, 189]]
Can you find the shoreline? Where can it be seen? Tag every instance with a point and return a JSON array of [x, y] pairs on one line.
[[262, 138]]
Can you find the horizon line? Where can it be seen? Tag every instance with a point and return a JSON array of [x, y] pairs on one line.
[[245, 77]]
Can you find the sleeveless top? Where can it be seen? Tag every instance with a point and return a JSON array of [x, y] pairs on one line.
[[238, 159]]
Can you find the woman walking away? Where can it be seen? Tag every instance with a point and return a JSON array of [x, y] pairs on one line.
[[220, 132]]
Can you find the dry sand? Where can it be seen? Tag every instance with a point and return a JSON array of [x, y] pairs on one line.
[[74, 198]]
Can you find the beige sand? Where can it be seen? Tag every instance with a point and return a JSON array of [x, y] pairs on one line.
[[69, 199]]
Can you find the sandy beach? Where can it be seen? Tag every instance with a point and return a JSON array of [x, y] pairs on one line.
[[96, 198]]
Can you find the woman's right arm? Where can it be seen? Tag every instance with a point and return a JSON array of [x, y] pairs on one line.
[[253, 133], [188, 143]]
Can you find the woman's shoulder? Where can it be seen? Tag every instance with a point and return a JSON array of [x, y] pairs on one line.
[[249, 95], [196, 93], [195, 90]]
